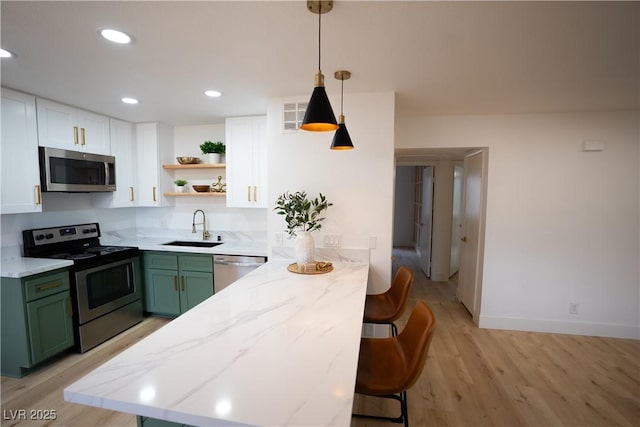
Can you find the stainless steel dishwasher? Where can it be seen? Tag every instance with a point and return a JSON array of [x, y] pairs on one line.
[[229, 268]]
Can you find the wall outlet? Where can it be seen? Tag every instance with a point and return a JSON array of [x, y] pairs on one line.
[[574, 308], [332, 240]]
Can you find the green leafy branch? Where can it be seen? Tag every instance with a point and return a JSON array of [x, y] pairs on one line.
[[300, 213]]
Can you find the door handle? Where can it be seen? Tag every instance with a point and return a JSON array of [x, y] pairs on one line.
[[182, 282], [38, 195], [83, 136], [131, 194], [248, 193], [154, 194], [255, 191], [464, 239], [175, 283], [75, 135]]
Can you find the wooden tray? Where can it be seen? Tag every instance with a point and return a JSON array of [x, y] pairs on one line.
[[321, 268]]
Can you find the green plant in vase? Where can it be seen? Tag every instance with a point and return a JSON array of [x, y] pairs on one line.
[[302, 215], [213, 150]]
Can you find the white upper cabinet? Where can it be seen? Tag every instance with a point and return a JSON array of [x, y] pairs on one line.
[[20, 172], [246, 153], [123, 149], [69, 128], [154, 145]]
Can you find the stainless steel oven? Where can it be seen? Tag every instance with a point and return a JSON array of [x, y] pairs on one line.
[[108, 300], [105, 280]]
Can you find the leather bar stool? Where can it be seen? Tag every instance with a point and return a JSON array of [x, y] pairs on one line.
[[388, 367], [388, 307]]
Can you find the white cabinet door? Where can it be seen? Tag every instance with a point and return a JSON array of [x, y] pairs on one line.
[[57, 125], [123, 149], [154, 145], [20, 171], [68, 128], [94, 133], [246, 161]]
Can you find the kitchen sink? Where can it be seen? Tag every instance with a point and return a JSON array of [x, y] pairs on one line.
[[192, 243]]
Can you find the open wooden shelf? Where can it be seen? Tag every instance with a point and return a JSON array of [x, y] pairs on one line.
[[209, 194], [196, 166]]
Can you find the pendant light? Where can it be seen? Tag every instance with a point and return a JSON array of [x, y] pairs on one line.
[[341, 139], [319, 115]]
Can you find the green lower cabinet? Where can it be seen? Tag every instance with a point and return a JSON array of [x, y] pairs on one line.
[[36, 320], [175, 283]]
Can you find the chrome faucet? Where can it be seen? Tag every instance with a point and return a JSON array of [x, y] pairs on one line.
[[205, 233]]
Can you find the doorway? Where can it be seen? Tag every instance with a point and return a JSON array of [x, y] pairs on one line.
[[439, 232]]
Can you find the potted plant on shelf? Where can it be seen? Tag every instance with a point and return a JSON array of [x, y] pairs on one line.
[[180, 183], [213, 150], [302, 216]]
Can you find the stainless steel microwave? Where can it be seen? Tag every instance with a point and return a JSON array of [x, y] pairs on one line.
[[73, 171]]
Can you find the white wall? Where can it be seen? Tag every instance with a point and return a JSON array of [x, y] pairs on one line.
[[404, 206], [358, 182], [562, 225]]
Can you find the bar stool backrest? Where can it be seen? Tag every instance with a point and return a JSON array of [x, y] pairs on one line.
[[415, 340], [399, 291]]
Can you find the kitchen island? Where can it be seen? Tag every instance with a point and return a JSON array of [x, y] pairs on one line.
[[275, 348]]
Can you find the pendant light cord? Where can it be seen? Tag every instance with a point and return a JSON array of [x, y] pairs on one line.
[[341, 94], [319, 31]]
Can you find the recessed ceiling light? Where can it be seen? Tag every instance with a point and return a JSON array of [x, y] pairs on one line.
[[115, 36], [5, 53], [129, 100], [213, 93]]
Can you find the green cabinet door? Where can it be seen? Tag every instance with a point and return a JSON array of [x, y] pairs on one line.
[[161, 292], [197, 287], [50, 325], [174, 283]]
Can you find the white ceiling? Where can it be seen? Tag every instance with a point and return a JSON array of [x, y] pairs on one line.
[[439, 57]]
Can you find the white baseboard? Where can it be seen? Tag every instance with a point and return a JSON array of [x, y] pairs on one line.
[[561, 327]]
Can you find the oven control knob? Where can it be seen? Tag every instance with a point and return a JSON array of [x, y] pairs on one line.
[[40, 237], [49, 236]]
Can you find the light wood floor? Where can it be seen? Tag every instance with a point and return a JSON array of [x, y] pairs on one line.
[[482, 377], [473, 377]]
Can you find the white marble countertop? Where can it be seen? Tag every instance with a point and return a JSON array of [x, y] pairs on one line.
[[17, 266], [22, 267], [273, 349]]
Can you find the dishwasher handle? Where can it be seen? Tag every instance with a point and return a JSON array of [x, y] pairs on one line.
[[239, 261]]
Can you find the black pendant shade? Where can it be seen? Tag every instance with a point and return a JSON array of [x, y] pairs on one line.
[[341, 139], [319, 116]]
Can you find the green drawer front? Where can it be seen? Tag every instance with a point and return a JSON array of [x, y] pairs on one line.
[[46, 284], [202, 263], [160, 261]]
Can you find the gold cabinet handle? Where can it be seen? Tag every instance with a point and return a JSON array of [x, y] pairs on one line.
[[83, 136], [75, 135], [38, 195], [154, 194], [49, 286], [175, 283], [131, 194], [255, 192], [248, 193], [182, 282]]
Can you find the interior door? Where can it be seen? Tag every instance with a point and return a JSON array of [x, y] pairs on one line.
[[456, 219], [426, 220], [470, 260]]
